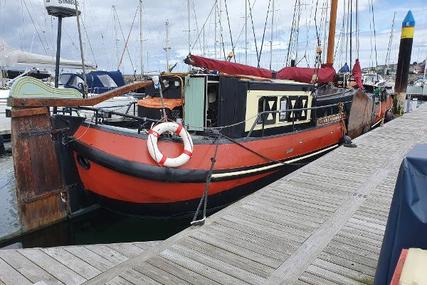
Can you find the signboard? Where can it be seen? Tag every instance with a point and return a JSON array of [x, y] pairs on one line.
[[61, 8]]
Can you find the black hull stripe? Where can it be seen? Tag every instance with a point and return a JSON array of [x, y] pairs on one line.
[[177, 175]]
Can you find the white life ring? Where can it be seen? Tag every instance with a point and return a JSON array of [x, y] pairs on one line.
[[153, 149]]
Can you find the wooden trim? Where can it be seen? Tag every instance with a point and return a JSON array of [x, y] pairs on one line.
[[28, 112], [73, 102]]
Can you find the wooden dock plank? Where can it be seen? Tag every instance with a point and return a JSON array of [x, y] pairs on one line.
[[108, 253], [190, 276], [136, 277], [8, 275], [73, 262], [27, 268], [128, 250], [54, 267], [197, 267], [159, 275], [118, 280], [67, 264], [91, 257]]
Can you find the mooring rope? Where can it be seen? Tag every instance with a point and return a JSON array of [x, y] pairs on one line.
[[204, 198]]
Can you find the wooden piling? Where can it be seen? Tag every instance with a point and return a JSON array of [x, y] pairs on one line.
[[41, 195]]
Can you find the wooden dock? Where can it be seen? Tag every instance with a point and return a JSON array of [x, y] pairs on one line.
[[64, 265], [322, 224]]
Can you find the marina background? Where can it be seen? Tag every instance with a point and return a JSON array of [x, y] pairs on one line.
[[35, 31]]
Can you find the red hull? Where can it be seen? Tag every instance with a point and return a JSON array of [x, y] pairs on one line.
[[235, 167]]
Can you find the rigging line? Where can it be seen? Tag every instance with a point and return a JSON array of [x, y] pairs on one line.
[[370, 39], [263, 34], [293, 36], [315, 24], [390, 41], [253, 29], [243, 26], [43, 28], [204, 24], [197, 22], [126, 40], [375, 33], [351, 33], [341, 38], [357, 30], [229, 29], [325, 24], [70, 39], [220, 32], [89, 42], [34, 25]]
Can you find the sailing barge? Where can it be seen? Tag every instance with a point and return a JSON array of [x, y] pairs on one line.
[[239, 133], [217, 135]]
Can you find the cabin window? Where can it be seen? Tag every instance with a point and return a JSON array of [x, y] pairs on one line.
[[283, 107], [107, 81], [266, 104], [64, 78], [297, 103]]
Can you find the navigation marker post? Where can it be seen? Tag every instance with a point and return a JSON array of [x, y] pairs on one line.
[[404, 60]]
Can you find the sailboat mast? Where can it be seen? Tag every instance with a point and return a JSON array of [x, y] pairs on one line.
[[216, 28], [167, 46], [272, 34], [331, 38], [189, 25], [81, 51], [246, 32], [141, 39]]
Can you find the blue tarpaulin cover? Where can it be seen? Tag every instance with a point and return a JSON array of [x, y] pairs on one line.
[[407, 221]]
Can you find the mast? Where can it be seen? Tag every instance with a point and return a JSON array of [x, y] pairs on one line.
[[141, 39], [167, 46], [351, 35], [272, 33], [390, 42], [216, 27], [246, 32], [332, 26], [188, 26], [81, 52]]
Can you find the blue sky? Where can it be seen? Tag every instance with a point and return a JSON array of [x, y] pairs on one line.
[[104, 46]]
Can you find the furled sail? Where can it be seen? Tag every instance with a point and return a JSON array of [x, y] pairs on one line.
[[324, 74], [227, 67], [12, 57]]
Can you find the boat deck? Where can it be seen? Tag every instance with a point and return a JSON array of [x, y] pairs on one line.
[[322, 224], [64, 265]]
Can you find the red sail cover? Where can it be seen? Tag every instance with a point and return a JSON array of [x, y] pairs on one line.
[[227, 67], [325, 74]]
